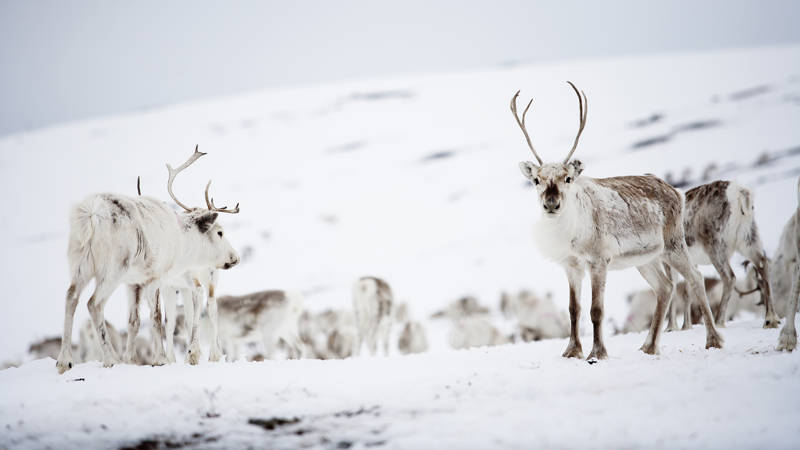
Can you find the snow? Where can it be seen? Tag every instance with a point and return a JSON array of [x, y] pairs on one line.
[[414, 180], [511, 396]]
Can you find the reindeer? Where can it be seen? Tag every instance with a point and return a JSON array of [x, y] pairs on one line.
[[788, 259], [264, 316], [602, 224], [474, 331], [190, 287], [463, 307], [718, 221], [139, 242], [372, 304]]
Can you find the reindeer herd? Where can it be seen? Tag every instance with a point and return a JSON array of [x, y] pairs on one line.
[[588, 225]]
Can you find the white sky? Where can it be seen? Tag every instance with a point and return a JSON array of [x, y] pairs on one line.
[[62, 61]]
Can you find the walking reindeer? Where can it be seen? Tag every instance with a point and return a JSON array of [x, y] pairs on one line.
[[788, 257], [140, 242], [602, 224], [718, 221]]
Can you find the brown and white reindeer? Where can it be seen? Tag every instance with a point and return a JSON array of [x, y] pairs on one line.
[[718, 220], [373, 305], [602, 224], [788, 260], [140, 242]]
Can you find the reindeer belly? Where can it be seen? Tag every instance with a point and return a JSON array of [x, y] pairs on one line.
[[698, 255], [636, 257]]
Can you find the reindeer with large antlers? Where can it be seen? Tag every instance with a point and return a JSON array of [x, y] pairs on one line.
[[139, 242], [602, 224]]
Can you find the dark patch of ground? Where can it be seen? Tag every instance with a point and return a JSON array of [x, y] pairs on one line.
[[273, 423], [435, 156], [754, 91], [164, 442], [649, 120]]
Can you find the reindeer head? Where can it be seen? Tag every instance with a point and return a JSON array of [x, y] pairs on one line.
[[552, 180], [207, 236]]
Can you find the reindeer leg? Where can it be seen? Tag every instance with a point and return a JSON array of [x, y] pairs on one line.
[[159, 356], [65, 360], [575, 274], [134, 300], [654, 274], [170, 313], [191, 306], [687, 312], [719, 259], [598, 273], [96, 307], [678, 259], [788, 337], [215, 353]]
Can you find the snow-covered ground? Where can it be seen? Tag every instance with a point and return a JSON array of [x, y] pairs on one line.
[[512, 396], [414, 180]]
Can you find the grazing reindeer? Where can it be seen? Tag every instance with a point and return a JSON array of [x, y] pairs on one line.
[[139, 242], [601, 224], [718, 221], [264, 316], [789, 256], [372, 304]]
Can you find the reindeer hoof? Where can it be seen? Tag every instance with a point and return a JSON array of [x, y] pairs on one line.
[[787, 340], [650, 349], [772, 322], [596, 355], [193, 357], [573, 351], [110, 362], [714, 340], [686, 327], [63, 365]]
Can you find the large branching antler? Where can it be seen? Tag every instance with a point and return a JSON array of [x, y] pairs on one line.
[[521, 123], [224, 209], [583, 109], [174, 172]]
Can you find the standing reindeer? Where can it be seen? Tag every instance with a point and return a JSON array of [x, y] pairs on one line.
[[372, 304], [788, 257], [139, 242], [718, 220], [602, 224]]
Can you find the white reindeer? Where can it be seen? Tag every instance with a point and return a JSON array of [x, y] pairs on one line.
[[537, 318], [464, 307], [601, 224], [139, 242], [372, 304], [474, 331], [718, 220], [412, 339], [788, 260], [265, 316]]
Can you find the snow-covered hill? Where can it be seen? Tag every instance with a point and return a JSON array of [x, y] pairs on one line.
[[414, 180]]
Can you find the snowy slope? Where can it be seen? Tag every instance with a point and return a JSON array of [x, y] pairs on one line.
[[414, 180]]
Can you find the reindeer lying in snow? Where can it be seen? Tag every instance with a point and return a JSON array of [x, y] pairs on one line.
[[139, 242], [718, 221], [330, 334], [372, 304], [464, 307], [601, 224], [788, 260], [475, 331], [266, 316], [537, 318], [413, 338]]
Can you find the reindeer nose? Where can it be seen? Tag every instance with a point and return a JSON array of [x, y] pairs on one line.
[[551, 204]]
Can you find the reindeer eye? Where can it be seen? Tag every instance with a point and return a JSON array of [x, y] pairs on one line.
[[219, 233], [568, 180], [536, 181]]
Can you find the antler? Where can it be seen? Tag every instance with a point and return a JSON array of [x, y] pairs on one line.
[[224, 209], [583, 105], [742, 294], [174, 172], [521, 123]]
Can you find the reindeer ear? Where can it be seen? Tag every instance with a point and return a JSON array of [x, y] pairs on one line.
[[205, 220], [575, 167], [528, 169]]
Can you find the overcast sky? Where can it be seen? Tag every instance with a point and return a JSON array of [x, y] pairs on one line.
[[62, 61]]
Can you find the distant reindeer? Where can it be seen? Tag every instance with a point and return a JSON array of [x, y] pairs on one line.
[[789, 256], [265, 316], [412, 339], [463, 307], [718, 220], [139, 242], [372, 304], [474, 331], [601, 224]]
